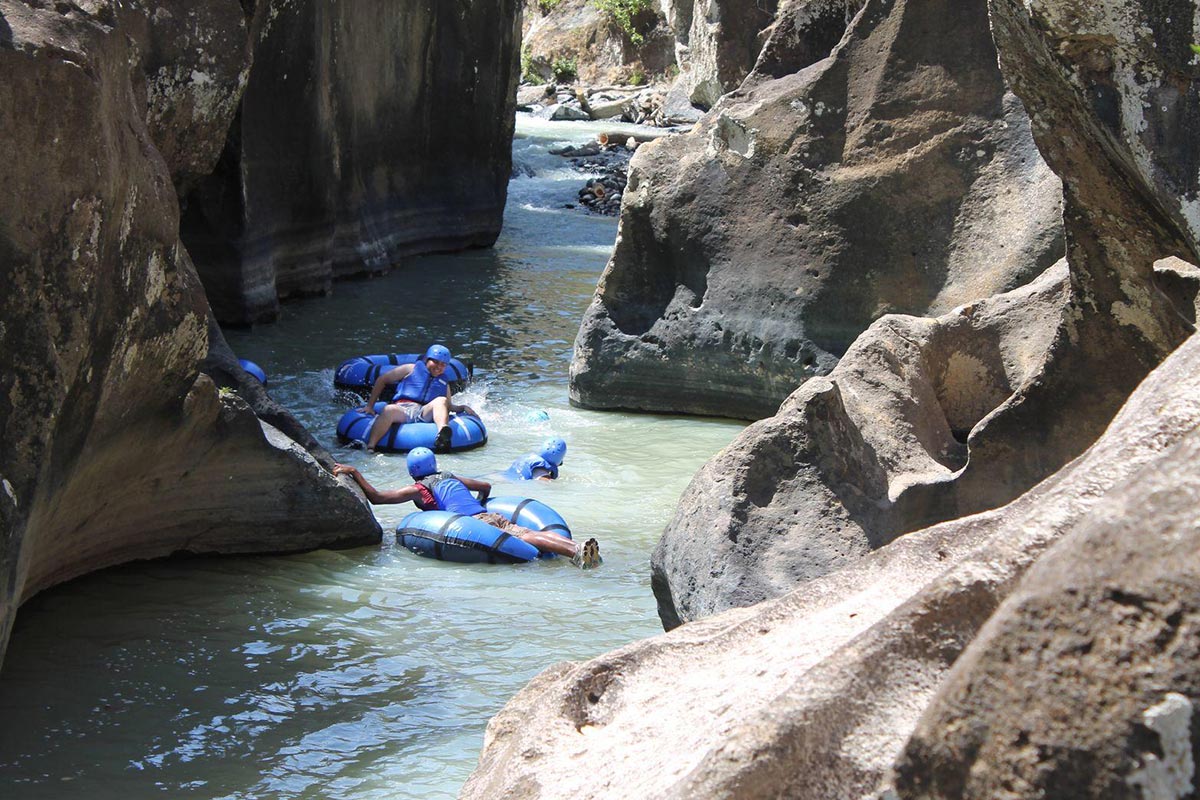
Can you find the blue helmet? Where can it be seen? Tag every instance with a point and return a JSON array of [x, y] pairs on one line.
[[553, 450], [421, 462], [438, 352]]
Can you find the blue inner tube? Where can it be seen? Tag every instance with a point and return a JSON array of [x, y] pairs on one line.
[[453, 537], [359, 374], [465, 432], [254, 369]]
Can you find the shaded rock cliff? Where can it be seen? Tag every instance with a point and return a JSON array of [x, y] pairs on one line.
[[896, 175], [114, 445], [745, 532], [368, 131]]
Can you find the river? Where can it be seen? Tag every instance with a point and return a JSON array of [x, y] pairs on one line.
[[367, 673]]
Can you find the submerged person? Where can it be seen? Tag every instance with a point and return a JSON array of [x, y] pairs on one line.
[[444, 491], [542, 465], [422, 395]]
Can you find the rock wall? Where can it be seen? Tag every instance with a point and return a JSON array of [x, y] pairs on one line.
[[814, 695], [368, 131], [822, 504], [113, 444], [579, 33], [1043, 649], [718, 48], [897, 175]]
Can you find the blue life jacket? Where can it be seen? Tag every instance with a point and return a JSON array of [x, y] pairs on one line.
[[420, 386], [442, 491], [526, 464]]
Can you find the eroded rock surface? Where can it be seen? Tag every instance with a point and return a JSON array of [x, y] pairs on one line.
[[113, 445], [897, 175], [876, 449], [820, 504], [1083, 683], [718, 48], [368, 131], [813, 695]]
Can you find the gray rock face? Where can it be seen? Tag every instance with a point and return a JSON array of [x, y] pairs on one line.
[[113, 445], [1083, 683], [577, 31], [368, 131], [721, 45], [812, 696], [195, 59], [895, 176], [749, 529], [803, 33], [852, 461]]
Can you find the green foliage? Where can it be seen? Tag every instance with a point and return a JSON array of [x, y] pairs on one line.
[[625, 13], [637, 77], [528, 73], [548, 5], [1195, 49], [226, 392], [564, 69]]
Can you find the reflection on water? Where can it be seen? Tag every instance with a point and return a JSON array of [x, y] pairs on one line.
[[368, 673]]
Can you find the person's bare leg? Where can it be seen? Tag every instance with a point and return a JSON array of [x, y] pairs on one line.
[[383, 420], [583, 554], [546, 542], [439, 408]]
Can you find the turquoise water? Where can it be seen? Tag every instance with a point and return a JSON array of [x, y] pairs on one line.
[[368, 673]]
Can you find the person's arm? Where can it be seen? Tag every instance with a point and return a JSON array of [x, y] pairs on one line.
[[483, 488], [459, 409], [377, 497], [391, 377]]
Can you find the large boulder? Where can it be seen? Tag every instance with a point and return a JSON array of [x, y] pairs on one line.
[[896, 175], [113, 443], [853, 460], [368, 131], [1084, 683], [816, 503], [812, 696]]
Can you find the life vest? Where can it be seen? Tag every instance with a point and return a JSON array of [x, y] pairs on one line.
[[442, 491], [419, 386], [526, 464]]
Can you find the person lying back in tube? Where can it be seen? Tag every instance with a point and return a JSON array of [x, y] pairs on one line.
[[542, 465], [444, 491], [422, 395]]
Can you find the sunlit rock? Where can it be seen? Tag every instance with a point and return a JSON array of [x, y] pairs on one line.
[[813, 695], [895, 176], [823, 504]]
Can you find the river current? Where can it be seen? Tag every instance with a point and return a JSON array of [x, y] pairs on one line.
[[367, 673]]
